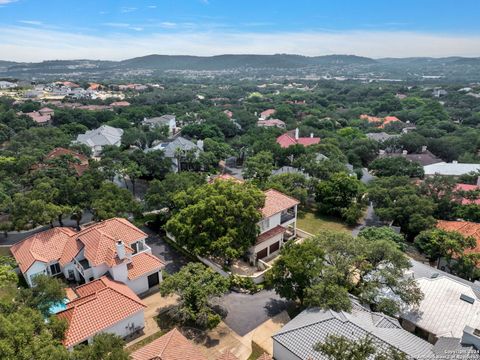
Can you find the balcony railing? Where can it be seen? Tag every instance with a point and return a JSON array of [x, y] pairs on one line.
[[287, 217]]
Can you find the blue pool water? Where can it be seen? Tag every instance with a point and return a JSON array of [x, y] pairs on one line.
[[60, 306]]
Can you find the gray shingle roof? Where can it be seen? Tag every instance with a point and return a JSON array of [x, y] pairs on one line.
[[104, 135], [452, 169], [159, 120], [314, 325], [170, 148], [381, 136]]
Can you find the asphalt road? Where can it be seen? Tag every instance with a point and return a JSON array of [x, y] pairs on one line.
[[246, 312], [173, 259]]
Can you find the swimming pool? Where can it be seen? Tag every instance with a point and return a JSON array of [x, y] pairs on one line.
[[60, 306]]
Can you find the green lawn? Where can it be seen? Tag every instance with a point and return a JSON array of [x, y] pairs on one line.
[[5, 251], [312, 222]]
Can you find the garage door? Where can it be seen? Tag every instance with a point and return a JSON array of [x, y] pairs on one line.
[[153, 280], [274, 247], [262, 253]]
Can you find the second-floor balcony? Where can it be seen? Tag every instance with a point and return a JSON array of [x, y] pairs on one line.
[[287, 216], [83, 267]]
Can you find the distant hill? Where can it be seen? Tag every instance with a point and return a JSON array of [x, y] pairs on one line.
[[220, 62]]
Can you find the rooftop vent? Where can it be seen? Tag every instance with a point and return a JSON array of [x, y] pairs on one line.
[[434, 275], [467, 298]]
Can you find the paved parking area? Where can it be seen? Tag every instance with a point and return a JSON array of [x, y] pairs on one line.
[[246, 312], [173, 259]]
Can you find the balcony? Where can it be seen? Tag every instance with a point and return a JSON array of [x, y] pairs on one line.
[[287, 216], [83, 267]]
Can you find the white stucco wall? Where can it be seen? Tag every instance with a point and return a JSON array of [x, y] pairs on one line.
[[120, 328], [36, 268], [120, 272], [140, 284], [280, 352], [266, 244]]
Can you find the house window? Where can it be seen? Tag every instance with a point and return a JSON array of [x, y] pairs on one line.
[[264, 224], [55, 269]]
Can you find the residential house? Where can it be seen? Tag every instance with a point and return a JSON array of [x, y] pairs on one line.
[[450, 169], [380, 122], [119, 104], [227, 355], [264, 115], [278, 225], [101, 306], [289, 170], [296, 340], [177, 149], [7, 85], [424, 158], [450, 309], [114, 246], [381, 136], [40, 119], [466, 228], [462, 191], [80, 163], [164, 120], [98, 138], [171, 346], [292, 138], [438, 92], [271, 123]]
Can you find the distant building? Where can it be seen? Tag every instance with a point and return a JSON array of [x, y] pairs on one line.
[[288, 170], [176, 150], [271, 123], [450, 169], [80, 163], [98, 138], [292, 138], [380, 122], [7, 85], [381, 136], [437, 92], [228, 113], [119, 104], [424, 158], [264, 115], [165, 120]]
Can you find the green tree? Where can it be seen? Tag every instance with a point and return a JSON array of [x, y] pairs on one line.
[[197, 227], [438, 243], [195, 285], [295, 185], [111, 201], [374, 233], [259, 167], [104, 346], [396, 166], [46, 292], [341, 348], [339, 196]]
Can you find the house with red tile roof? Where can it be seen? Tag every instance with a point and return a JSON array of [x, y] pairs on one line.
[[80, 163], [227, 355], [278, 225], [171, 346], [39, 118], [466, 228], [115, 247], [103, 305], [381, 122], [292, 138], [120, 104], [271, 123], [463, 190], [264, 115]]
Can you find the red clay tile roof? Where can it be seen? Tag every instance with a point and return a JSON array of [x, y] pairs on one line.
[[466, 228], [270, 233], [101, 304], [383, 121], [80, 168], [62, 244], [467, 188], [46, 246], [275, 202], [39, 118], [227, 355], [265, 356], [120, 104], [142, 264], [269, 112], [286, 140], [171, 346]]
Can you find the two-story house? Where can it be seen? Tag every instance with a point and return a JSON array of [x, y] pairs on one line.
[[164, 120], [278, 225], [114, 246]]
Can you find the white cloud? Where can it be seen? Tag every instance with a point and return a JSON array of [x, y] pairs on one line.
[[127, 9], [23, 43], [168, 25], [3, 2], [152, 6], [31, 22]]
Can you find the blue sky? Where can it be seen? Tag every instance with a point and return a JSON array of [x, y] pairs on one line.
[[33, 30]]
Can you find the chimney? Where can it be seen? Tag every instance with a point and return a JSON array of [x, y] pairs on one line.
[[296, 134], [200, 144], [404, 152], [311, 135], [424, 148], [120, 249], [471, 336]]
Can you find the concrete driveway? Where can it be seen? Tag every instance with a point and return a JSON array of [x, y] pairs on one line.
[[246, 312], [173, 259]]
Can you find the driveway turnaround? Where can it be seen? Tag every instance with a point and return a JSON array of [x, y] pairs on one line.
[[173, 259], [246, 312]]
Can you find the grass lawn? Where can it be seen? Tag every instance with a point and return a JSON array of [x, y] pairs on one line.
[[5, 251], [309, 221], [145, 341]]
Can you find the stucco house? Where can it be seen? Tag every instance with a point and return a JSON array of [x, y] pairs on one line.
[[177, 149], [278, 225], [115, 247], [101, 306], [164, 120], [98, 138]]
